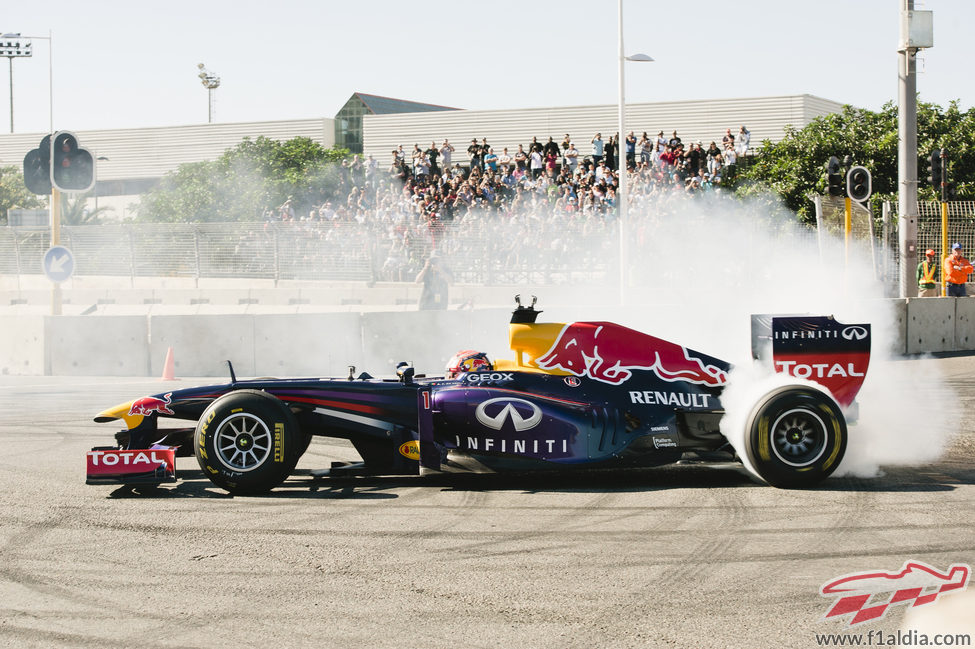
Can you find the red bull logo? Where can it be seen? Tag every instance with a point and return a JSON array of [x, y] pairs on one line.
[[916, 583], [609, 353], [149, 405], [475, 364]]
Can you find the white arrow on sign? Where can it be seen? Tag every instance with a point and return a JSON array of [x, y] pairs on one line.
[[57, 263]]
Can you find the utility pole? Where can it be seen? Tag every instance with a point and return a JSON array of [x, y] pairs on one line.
[[916, 33], [211, 82], [13, 46]]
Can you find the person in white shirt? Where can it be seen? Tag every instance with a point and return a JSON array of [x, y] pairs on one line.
[[601, 171], [730, 157], [655, 154], [742, 140], [662, 142], [445, 151], [597, 148], [536, 163], [572, 158], [504, 160]]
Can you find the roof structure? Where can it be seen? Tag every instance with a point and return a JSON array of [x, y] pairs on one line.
[[378, 105]]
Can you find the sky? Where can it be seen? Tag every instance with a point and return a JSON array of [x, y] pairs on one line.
[[134, 64]]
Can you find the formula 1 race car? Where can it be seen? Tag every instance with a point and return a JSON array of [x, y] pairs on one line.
[[582, 395]]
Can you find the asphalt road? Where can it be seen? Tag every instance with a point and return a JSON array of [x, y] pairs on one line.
[[685, 556]]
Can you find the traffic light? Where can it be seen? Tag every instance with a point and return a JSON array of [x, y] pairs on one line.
[[834, 177], [72, 167], [37, 168], [858, 184], [936, 170]]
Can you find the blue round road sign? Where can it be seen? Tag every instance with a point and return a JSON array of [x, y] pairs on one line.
[[58, 263]]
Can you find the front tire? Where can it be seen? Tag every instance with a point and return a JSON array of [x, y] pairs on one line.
[[248, 442], [796, 437]]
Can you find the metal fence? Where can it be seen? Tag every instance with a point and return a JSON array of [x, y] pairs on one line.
[[961, 228], [486, 250], [834, 216], [961, 224]]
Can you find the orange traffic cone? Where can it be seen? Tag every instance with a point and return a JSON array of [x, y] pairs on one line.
[[169, 367]]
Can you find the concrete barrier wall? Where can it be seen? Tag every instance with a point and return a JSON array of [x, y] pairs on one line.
[[306, 344], [964, 324], [84, 346], [930, 325], [202, 344], [896, 345], [22, 345], [299, 343]]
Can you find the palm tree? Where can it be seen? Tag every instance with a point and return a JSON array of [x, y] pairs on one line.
[[75, 212]]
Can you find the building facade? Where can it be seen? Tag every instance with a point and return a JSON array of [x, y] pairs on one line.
[[131, 161], [765, 118]]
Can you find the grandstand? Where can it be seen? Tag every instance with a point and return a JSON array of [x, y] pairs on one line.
[[132, 160]]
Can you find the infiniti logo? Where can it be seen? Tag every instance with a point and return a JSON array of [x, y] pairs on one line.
[[849, 333], [509, 412]]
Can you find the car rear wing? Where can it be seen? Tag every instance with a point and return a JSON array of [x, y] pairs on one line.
[[816, 348]]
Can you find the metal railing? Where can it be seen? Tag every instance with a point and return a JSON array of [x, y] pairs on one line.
[[961, 225], [490, 249], [961, 228]]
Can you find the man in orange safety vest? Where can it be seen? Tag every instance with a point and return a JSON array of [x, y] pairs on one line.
[[957, 269]]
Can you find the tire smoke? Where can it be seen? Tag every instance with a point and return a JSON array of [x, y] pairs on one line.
[[700, 268]]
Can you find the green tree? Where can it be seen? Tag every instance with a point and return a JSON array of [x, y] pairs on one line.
[[14, 193], [246, 179], [795, 167]]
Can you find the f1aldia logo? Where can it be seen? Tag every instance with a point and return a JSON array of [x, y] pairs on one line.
[[916, 584], [510, 410]]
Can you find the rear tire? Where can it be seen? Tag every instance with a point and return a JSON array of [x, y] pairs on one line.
[[796, 437], [248, 442]]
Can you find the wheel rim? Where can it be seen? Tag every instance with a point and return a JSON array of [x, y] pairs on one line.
[[243, 442], [798, 437]]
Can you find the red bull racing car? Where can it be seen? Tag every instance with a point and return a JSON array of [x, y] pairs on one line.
[[582, 395]]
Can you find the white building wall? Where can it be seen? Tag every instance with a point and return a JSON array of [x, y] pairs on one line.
[[705, 120], [153, 152]]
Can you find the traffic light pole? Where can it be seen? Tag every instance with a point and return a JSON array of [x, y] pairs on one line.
[[847, 227], [55, 241], [944, 221], [944, 248], [907, 165]]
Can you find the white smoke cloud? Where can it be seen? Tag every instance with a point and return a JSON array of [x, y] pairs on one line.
[[704, 267], [907, 413]]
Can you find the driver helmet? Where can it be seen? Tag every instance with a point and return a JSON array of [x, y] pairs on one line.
[[468, 360]]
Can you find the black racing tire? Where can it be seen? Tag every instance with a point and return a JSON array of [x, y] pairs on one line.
[[248, 442], [796, 437]]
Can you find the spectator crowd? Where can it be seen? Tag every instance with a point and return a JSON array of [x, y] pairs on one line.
[[552, 194]]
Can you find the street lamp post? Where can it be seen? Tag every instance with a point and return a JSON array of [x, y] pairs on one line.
[[13, 46], [621, 197], [211, 82]]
